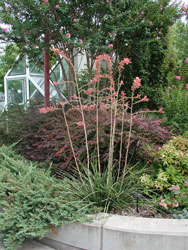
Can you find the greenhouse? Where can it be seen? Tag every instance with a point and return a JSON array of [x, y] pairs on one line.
[[25, 82]]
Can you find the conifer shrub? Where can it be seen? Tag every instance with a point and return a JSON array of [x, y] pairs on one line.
[[33, 202]]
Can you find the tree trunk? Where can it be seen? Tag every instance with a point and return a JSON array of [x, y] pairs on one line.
[[46, 73]]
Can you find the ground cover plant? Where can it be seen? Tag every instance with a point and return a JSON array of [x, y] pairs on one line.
[[32, 201]]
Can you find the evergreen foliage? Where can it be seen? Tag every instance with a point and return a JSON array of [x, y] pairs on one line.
[[32, 201]]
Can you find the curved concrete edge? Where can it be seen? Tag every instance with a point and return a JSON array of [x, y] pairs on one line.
[[121, 233]]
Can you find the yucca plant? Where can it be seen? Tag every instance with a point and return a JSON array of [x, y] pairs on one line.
[[96, 190]]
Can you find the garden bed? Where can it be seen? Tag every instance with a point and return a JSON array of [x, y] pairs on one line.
[[122, 233]]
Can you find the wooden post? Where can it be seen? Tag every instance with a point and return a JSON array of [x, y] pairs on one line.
[[46, 72]]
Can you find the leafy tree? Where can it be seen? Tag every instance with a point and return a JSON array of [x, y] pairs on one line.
[[179, 36], [145, 40], [176, 53], [6, 62], [123, 28]]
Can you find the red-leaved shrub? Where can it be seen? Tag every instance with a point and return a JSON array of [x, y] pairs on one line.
[[45, 137]]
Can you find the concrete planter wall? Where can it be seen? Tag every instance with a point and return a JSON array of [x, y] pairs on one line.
[[122, 233]]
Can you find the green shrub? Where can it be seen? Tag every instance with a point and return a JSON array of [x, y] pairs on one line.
[[175, 153], [170, 175], [12, 121], [45, 138], [32, 201], [185, 135], [175, 102]]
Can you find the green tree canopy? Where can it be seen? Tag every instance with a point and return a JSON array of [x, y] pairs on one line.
[[176, 53], [122, 28], [6, 62]]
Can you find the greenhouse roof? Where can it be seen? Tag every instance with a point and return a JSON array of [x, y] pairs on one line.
[[25, 81]]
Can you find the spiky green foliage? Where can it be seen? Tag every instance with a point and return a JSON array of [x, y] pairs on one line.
[[32, 201], [107, 193]]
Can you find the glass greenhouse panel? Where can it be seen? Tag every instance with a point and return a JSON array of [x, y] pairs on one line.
[[39, 81], [15, 91], [56, 95], [36, 70], [26, 81], [19, 68], [34, 94], [55, 74], [52, 88]]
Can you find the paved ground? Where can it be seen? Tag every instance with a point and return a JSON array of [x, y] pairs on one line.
[[31, 245]]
